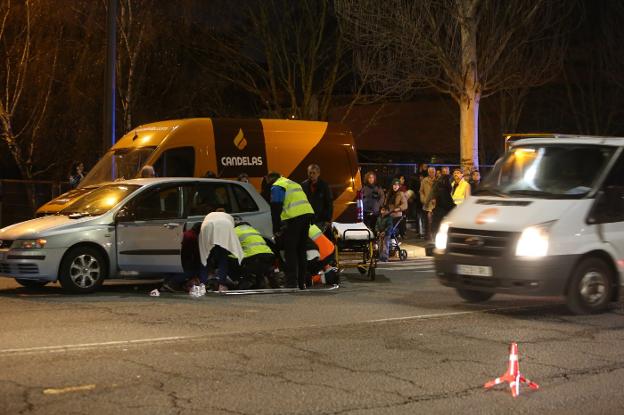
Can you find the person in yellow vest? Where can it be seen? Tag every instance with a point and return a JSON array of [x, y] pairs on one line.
[[321, 258], [257, 261], [292, 215], [460, 188]]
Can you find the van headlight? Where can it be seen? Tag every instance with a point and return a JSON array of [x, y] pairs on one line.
[[533, 241], [30, 244], [442, 236]]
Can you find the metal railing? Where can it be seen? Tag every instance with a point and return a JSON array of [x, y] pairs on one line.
[[19, 199]]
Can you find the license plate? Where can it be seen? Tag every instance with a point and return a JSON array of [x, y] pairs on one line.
[[474, 270]]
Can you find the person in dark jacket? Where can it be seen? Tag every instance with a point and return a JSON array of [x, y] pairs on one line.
[[373, 199], [191, 263], [443, 202], [320, 197]]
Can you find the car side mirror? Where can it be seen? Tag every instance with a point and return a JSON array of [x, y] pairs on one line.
[[123, 215]]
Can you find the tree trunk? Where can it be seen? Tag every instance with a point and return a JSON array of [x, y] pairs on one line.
[[469, 130], [470, 95]]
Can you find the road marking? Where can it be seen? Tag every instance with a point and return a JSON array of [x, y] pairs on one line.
[[69, 389], [87, 346], [84, 346]]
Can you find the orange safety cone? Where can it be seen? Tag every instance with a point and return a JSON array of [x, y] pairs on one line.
[[513, 375]]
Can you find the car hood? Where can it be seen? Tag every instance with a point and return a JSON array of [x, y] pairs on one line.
[[41, 227], [508, 214]]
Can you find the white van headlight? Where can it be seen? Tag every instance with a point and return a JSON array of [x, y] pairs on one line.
[[533, 241], [441, 237], [30, 243]]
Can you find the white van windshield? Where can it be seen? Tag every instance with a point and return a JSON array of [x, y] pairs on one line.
[[99, 201], [553, 171], [123, 163]]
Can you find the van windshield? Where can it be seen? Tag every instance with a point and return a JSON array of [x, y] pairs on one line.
[[99, 201], [123, 163], [548, 171]]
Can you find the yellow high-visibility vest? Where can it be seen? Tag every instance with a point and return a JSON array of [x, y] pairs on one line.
[[459, 193], [296, 202], [251, 241]]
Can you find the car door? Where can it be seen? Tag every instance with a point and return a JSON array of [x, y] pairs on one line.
[[149, 231]]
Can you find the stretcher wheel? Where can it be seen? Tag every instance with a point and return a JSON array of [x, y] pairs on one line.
[[402, 254], [371, 273], [363, 269]]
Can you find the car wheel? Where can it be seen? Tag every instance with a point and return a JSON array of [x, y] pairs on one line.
[[473, 296], [31, 283], [591, 287], [82, 270]]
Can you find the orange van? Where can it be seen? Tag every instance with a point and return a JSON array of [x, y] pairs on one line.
[[228, 147]]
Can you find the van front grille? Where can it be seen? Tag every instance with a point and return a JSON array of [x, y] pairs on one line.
[[4, 267], [480, 242]]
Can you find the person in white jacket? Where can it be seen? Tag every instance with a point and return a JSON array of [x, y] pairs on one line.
[[218, 240]]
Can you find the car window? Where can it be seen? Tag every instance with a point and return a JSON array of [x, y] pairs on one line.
[[208, 197], [244, 201], [176, 162], [158, 204]]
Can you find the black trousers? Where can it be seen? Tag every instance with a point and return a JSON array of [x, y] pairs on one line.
[[295, 237], [251, 272]]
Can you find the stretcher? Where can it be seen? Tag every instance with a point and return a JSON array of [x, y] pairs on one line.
[[355, 247]]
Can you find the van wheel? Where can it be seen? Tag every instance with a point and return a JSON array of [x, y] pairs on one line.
[[82, 270], [473, 296], [591, 287], [34, 284]]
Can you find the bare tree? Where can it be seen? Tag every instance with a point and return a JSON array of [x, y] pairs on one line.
[[468, 49], [289, 55], [135, 32], [28, 52]]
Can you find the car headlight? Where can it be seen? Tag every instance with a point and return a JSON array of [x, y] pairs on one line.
[[533, 241], [30, 244], [442, 236]]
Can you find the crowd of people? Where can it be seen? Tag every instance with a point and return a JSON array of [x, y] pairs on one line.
[[426, 197]]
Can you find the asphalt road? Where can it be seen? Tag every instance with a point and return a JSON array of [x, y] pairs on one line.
[[401, 344]]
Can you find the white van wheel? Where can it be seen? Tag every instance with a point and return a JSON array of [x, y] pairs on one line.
[[591, 287], [82, 270]]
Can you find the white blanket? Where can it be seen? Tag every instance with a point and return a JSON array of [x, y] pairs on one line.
[[356, 231], [218, 229]]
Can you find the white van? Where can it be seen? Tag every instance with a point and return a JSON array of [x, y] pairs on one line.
[[548, 220]]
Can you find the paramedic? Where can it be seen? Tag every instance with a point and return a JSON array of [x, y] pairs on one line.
[[292, 215], [258, 258]]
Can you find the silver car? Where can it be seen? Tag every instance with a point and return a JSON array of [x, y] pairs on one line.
[[122, 229]]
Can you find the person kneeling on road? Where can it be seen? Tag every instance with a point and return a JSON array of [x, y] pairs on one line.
[[321, 258], [217, 240], [292, 215], [194, 272], [258, 258]]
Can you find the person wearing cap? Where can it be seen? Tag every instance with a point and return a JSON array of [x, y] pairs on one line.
[[397, 204], [243, 177], [292, 215]]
